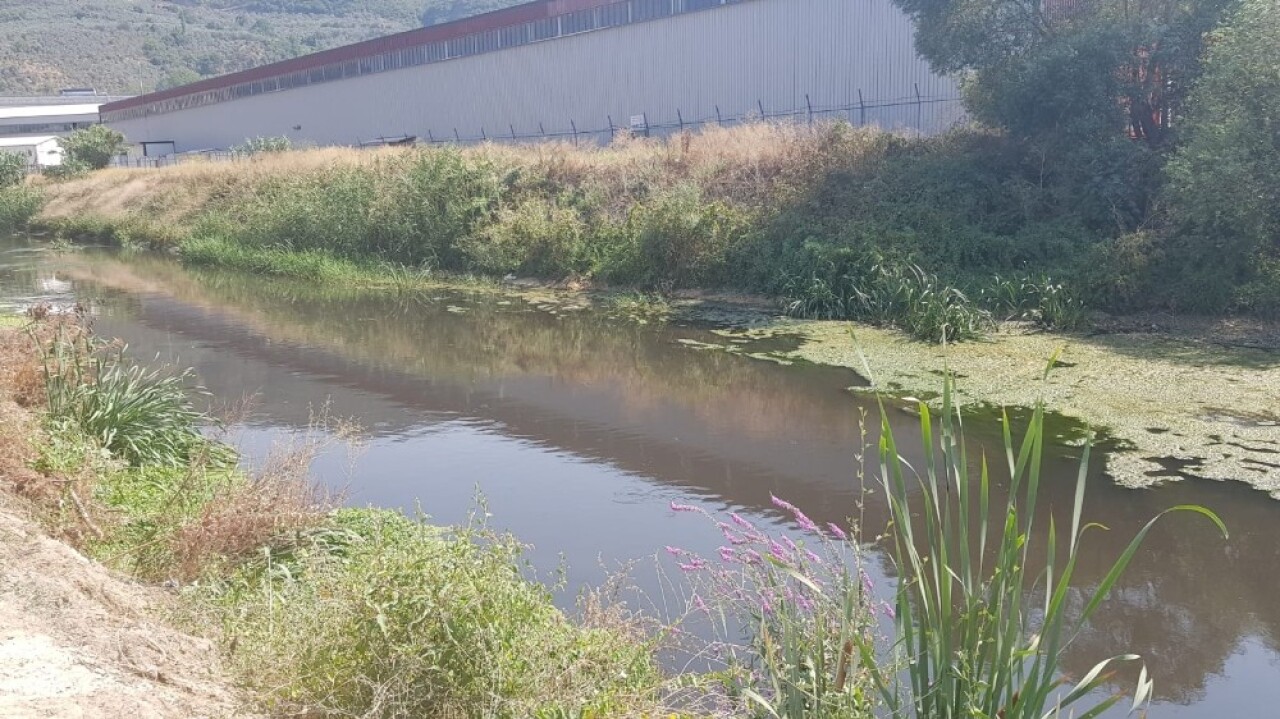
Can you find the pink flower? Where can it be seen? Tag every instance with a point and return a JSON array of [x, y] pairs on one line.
[[674, 551], [813, 557], [801, 518], [752, 556], [836, 530], [742, 522], [699, 604], [733, 538], [684, 508], [727, 555]]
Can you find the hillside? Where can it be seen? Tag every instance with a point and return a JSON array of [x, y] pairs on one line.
[[131, 46]]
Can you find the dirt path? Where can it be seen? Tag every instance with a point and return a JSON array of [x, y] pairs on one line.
[[77, 641]]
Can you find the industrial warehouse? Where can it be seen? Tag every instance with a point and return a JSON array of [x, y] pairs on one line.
[[574, 69]]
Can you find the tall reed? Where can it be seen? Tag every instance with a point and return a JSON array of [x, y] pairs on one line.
[[971, 640]]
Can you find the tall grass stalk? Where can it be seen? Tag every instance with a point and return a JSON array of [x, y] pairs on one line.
[[971, 639]]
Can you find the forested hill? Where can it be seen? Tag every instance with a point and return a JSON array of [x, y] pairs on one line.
[[131, 46]]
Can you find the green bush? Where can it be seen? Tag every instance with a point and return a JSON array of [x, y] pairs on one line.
[[263, 145], [17, 206], [93, 147], [142, 416], [1223, 196], [537, 237], [13, 169], [380, 616]]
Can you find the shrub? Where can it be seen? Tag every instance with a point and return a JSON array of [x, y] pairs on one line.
[[17, 206], [537, 237], [263, 146], [380, 616], [13, 169], [93, 147], [143, 416]]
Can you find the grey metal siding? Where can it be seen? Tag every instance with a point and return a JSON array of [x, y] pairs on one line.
[[736, 59]]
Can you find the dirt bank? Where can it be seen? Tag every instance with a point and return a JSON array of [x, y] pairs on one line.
[[78, 641]]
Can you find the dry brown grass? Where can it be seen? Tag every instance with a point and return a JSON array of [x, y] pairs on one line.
[[748, 164]]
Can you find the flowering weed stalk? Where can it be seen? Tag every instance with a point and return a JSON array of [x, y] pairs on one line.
[[805, 606]]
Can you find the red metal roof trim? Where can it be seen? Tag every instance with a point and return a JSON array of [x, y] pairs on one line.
[[518, 15]]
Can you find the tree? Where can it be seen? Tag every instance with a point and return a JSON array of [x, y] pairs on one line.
[[1097, 66], [1223, 190], [93, 147], [13, 168]]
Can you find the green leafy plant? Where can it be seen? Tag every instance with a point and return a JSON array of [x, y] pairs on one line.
[[143, 416], [93, 147], [13, 168], [263, 145], [970, 640]]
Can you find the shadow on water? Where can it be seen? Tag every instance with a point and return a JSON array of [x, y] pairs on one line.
[[580, 429]]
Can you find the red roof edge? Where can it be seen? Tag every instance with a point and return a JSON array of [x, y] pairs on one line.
[[507, 17]]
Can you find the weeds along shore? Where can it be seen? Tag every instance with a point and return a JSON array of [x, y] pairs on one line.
[[326, 611], [940, 237]]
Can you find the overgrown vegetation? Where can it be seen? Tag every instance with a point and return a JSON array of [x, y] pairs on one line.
[[836, 222], [18, 205], [263, 145], [92, 148], [13, 169]]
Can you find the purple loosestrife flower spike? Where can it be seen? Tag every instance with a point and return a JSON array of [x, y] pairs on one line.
[[674, 551], [836, 530], [728, 555], [742, 522]]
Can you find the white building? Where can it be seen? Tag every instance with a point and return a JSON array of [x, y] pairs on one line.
[[38, 150], [568, 68], [41, 119]]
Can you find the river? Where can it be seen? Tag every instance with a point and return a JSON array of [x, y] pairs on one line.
[[579, 430]]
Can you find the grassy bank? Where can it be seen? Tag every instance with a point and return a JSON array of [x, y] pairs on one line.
[[940, 236]]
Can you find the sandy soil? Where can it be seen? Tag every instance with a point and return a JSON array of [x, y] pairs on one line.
[[79, 642]]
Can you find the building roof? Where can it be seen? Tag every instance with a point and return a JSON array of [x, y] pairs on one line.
[[496, 20], [25, 140], [30, 111]]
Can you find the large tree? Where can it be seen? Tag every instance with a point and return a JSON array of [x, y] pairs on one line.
[[1069, 66], [1224, 190]]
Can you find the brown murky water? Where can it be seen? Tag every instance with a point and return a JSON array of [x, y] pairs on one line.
[[579, 430]]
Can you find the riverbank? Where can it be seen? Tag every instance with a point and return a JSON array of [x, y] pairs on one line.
[[297, 607], [941, 237]]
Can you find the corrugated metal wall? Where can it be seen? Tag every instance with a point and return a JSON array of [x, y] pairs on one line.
[[782, 56]]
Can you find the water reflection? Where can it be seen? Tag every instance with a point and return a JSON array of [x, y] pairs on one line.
[[579, 429]]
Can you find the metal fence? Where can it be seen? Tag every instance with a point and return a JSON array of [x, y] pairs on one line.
[[918, 115]]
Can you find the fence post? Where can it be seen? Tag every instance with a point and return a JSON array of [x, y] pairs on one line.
[[430, 138], [457, 138], [575, 132], [919, 111], [809, 105], [680, 118], [862, 110], [513, 132], [718, 120], [541, 131], [483, 137], [611, 128], [760, 104]]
